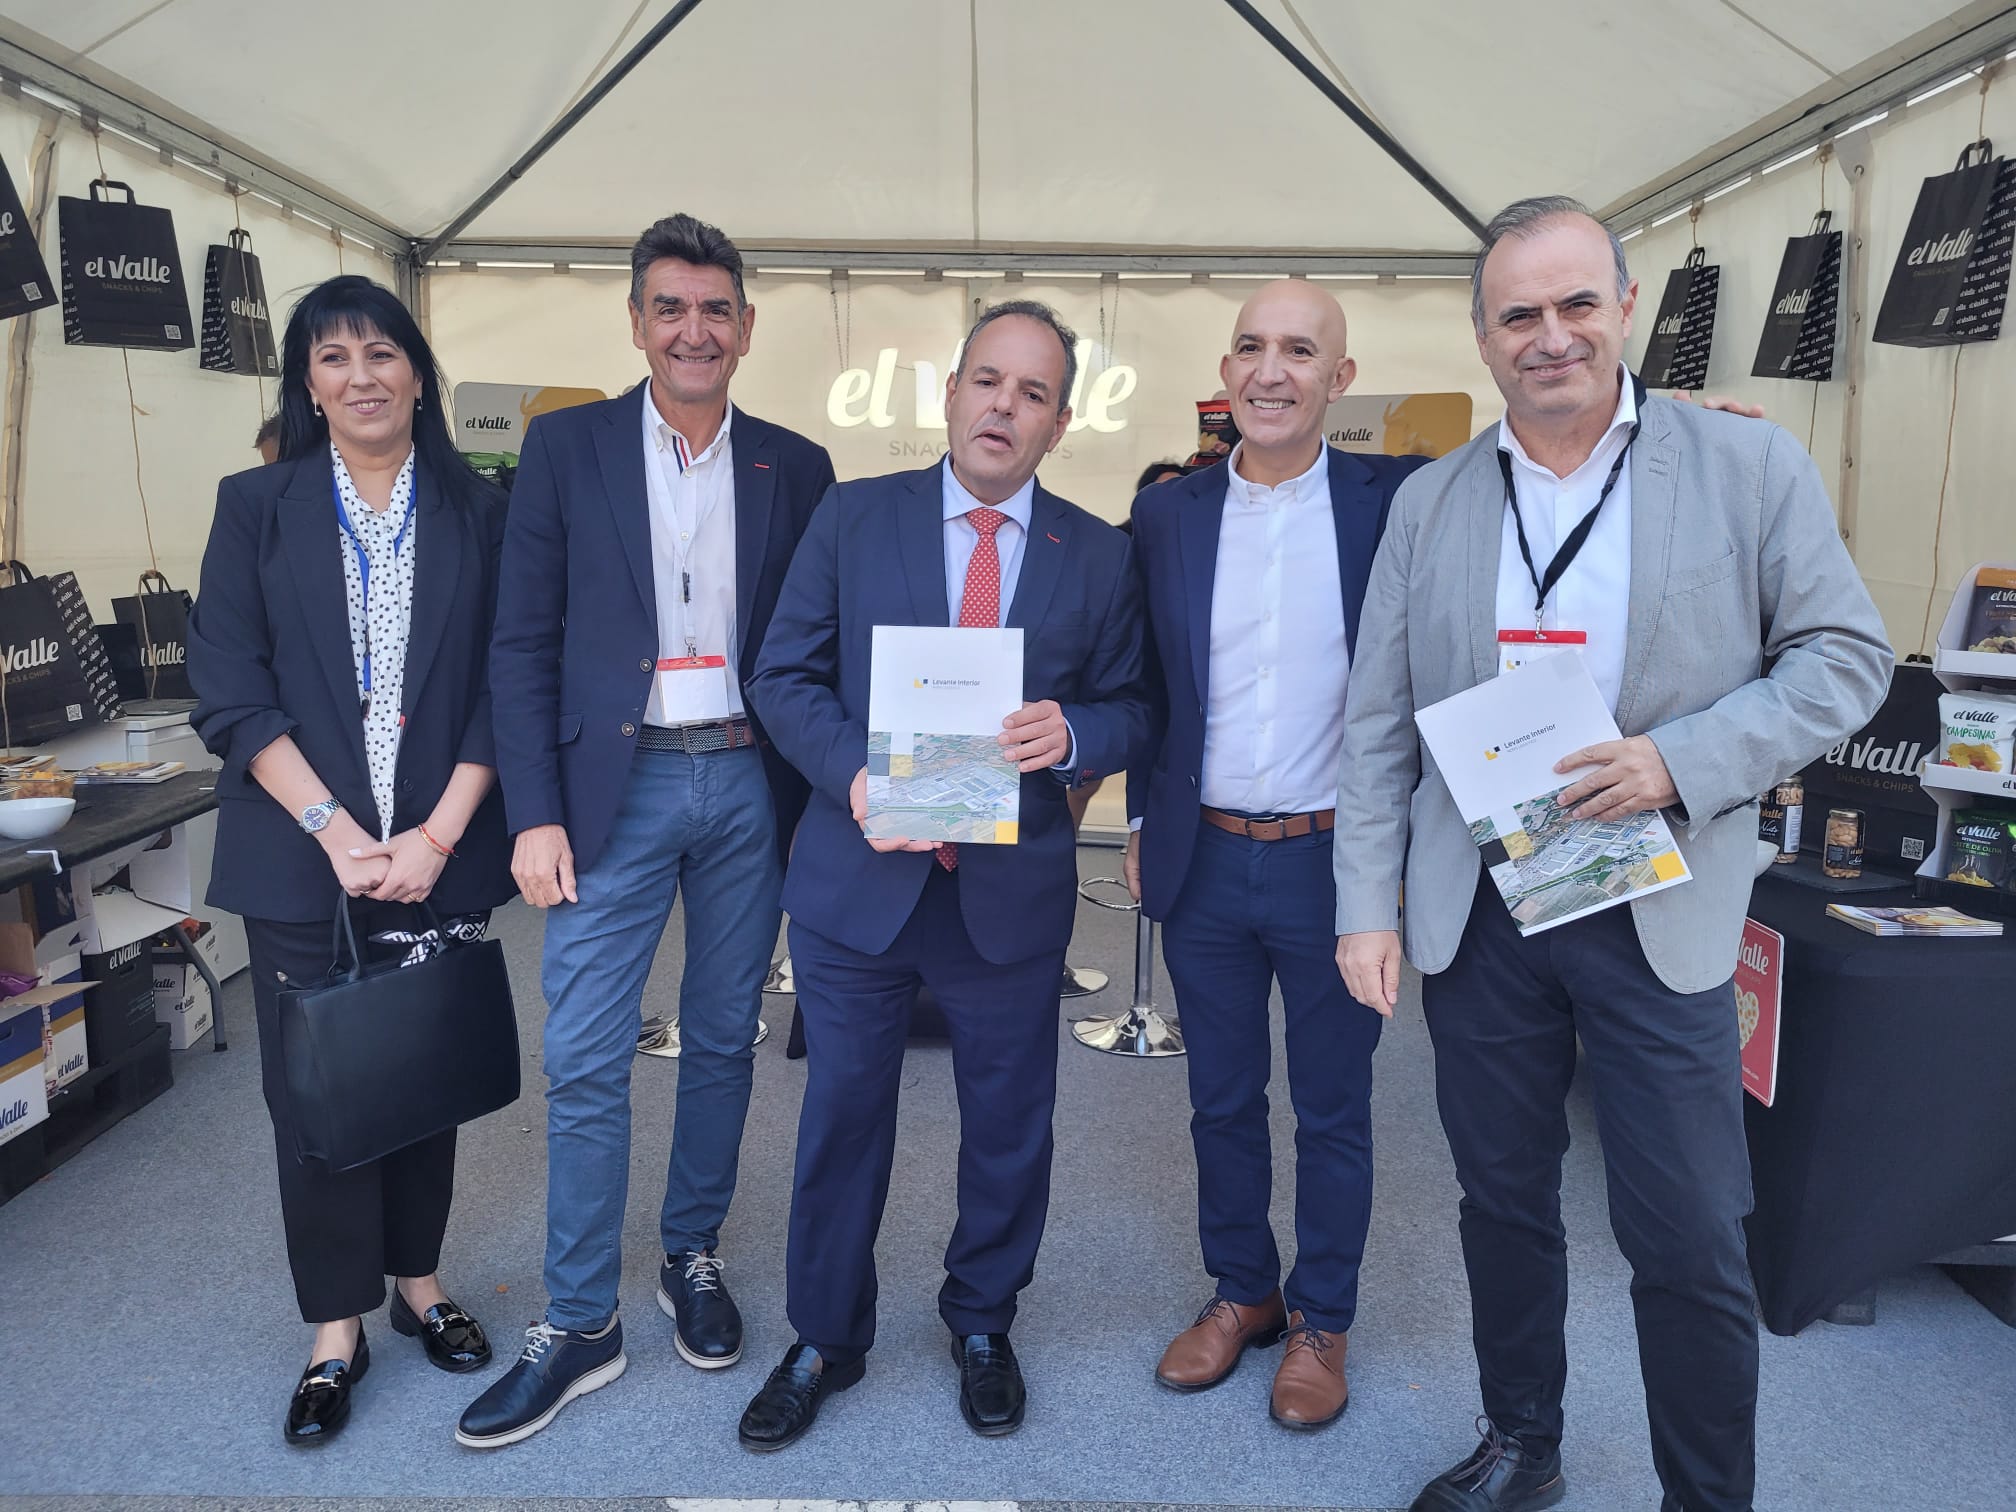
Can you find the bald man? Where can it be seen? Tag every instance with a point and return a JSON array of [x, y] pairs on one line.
[[1253, 572]]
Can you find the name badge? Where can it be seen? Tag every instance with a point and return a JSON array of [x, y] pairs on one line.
[[1522, 648], [692, 689]]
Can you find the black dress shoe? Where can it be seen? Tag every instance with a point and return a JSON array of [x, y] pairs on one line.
[[554, 1368], [707, 1326], [991, 1393], [780, 1413], [454, 1341], [1502, 1476], [321, 1402]]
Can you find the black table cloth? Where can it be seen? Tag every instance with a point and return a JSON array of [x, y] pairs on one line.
[[1892, 1139]]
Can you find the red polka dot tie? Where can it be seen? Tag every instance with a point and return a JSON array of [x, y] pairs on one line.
[[979, 605]]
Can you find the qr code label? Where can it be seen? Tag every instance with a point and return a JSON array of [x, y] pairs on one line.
[[174, 332], [1912, 848], [74, 713], [31, 290], [1940, 318]]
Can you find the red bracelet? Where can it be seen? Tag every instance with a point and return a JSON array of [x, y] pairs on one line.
[[445, 850]]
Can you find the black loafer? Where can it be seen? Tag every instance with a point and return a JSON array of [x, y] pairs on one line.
[[321, 1402], [1501, 1476], [780, 1413], [706, 1324], [454, 1341], [991, 1394]]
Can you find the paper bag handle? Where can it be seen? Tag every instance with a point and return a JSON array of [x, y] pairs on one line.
[[106, 183], [1974, 154]]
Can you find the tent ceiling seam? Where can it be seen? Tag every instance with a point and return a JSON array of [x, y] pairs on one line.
[[973, 107], [124, 27], [1329, 63], [1785, 42], [602, 62]]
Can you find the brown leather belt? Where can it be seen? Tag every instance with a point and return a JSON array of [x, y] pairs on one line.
[[1287, 827]]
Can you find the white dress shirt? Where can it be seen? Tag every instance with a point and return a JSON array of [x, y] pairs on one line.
[[1274, 728], [1594, 594], [961, 538], [387, 537], [692, 535]]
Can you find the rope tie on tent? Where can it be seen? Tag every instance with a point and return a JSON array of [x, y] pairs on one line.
[[1952, 414], [139, 484]]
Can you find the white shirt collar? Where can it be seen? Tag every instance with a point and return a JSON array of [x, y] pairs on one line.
[[1017, 506], [659, 435], [1315, 481], [1626, 416]]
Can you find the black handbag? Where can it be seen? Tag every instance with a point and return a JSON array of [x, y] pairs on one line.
[[375, 1059], [1798, 339], [1677, 355], [122, 273], [1951, 280], [159, 615]]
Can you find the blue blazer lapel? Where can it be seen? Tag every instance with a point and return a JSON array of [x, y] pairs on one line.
[[437, 575], [1042, 561], [311, 538], [755, 494], [1355, 507], [920, 539], [619, 448], [1198, 522]]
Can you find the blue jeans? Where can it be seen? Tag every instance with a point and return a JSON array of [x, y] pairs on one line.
[[1252, 913], [705, 823]]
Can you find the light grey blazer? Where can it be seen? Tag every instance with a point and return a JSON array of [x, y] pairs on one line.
[[1736, 567]]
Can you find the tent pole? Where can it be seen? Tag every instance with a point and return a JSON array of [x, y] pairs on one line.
[[559, 128], [21, 340], [1380, 137]]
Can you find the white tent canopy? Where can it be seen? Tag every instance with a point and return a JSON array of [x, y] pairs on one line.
[[935, 124]]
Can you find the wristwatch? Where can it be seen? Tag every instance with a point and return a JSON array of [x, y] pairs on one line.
[[315, 818]]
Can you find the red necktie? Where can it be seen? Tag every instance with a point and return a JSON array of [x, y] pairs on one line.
[[979, 605]]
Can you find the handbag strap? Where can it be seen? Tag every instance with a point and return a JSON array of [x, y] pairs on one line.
[[344, 932], [110, 183]]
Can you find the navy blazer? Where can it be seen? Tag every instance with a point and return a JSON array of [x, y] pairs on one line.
[[1176, 525], [875, 555], [576, 644], [270, 655]]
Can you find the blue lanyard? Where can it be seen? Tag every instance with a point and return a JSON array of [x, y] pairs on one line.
[[364, 564]]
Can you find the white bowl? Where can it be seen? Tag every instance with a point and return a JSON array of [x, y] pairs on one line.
[[32, 818]]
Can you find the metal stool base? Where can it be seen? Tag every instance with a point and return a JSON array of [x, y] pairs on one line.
[[780, 982], [1144, 1036], [1082, 981], [660, 1037]]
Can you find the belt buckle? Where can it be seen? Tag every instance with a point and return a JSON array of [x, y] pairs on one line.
[[1275, 819]]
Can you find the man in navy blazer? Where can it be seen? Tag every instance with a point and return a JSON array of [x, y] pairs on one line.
[[645, 544], [974, 542], [1254, 571]]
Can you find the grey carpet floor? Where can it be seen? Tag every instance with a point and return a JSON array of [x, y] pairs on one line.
[[148, 1336]]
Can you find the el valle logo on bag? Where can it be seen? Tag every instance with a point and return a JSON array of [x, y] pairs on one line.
[[122, 273], [130, 270], [1951, 278], [37, 653]]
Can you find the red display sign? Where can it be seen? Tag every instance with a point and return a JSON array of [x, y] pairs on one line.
[[1760, 972]]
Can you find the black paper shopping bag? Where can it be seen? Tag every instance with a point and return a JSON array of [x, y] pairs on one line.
[[122, 273], [50, 660], [159, 615], [1798, 339], [1951, 280], [237, 332], [24, 277], [1677, 355]]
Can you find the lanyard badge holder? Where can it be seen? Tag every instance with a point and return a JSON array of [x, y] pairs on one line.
[[1520, 648], [692, 688], [364, 571]]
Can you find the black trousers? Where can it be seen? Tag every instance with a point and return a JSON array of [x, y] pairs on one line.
[[1665, 1070], [346, 1230]]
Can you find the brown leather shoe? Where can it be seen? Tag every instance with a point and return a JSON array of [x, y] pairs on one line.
[[1205, 1353], [1309, 1388]]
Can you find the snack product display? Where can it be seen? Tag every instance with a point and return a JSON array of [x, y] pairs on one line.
[[1991, 622], [1982, 848], [1977, 731]]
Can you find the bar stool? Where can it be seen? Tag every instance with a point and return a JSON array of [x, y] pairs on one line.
[[660, 1037], [1142, 1032], [780, 982]]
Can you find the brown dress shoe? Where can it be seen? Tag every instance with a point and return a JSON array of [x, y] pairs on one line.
[[1204, 1353], [1309, 1388]]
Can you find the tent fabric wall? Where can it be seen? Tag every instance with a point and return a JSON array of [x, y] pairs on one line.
[[1906, 393], [521, 326], [80, 508]]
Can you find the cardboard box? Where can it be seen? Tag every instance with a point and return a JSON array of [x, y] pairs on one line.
[[24, 1095], [118, 919], [182, 1002], [68, 1045]]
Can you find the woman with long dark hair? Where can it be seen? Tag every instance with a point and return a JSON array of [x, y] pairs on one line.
[[338, 650]]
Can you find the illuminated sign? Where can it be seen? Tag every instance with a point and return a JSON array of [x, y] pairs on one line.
[[864, 396]]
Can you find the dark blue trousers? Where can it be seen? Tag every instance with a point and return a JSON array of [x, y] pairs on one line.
[[1665, 1070], [1250, 913], [856, 1011]]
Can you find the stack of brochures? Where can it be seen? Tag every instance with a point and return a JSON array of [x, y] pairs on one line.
[[1916, 922], [126, 772]]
